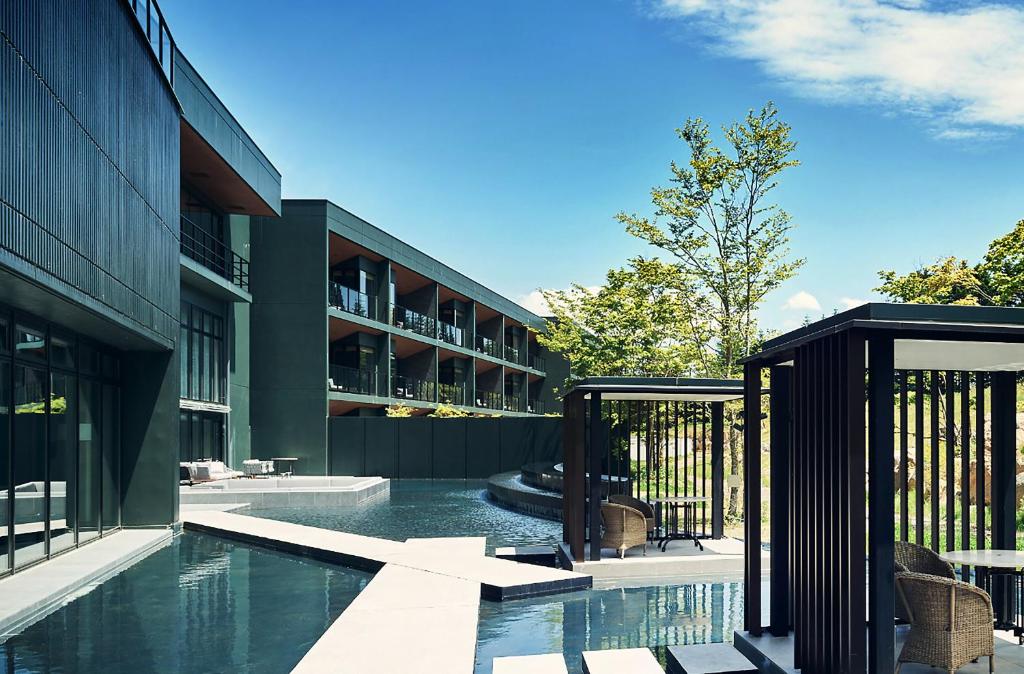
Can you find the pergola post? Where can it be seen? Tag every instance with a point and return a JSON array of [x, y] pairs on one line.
[[717, 470], [752, 497], [881, 525], [780, 419], [1004, 476], [573, 438], [596, 447]]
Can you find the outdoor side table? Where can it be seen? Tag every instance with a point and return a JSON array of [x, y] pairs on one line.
[[290, 460], [996, 563], [688, 530]]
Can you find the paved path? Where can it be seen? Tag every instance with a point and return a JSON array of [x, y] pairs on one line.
[[498, 579], [551, 663], [30, 595]]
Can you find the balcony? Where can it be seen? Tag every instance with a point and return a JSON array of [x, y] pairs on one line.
[[489, 399], [511, 354], [538, 362], [351, 380], [447, 332], [451, 394], [513, 403], [535, 407], [488, 346], [352, 301], [410, 388], [199, 245], [407, 319]]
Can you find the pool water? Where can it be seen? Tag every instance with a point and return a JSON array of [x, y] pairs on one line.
[[201, 604], [653, 617], [424, 509]]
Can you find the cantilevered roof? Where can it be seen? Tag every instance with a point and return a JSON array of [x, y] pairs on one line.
[[925, 336], [660, 388]]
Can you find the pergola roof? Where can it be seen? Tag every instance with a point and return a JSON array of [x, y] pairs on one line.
[[660, 388], [926, 336]]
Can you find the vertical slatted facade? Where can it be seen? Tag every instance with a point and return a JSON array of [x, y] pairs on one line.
[[89, 161]]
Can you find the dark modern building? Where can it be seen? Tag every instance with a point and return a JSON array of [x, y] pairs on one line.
[[125, 192], [348, 320]]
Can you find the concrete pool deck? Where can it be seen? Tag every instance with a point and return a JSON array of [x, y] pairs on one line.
[[34, 593], [276, 492], [498, 579], [722, 557]]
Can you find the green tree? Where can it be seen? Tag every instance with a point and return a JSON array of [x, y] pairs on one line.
[[1001, 273]]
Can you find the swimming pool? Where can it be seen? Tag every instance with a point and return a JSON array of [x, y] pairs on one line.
[[201, 604], [426, 508], [611, 618]]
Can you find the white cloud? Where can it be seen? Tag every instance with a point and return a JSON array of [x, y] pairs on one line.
[[534, 302], [958, 66], [851, 302], [802, 301]]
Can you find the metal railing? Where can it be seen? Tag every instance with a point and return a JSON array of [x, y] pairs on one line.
[[489, 399], [488, 346], [535, 406], [410, 388], [209, 251], [447, 332], [352, 380], [511, 354], [151, 20], [538, 362], [352, 301], [513, 403], [451, 394], [414, 321]]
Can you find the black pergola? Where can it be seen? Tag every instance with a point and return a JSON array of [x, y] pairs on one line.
[[836, 468], [602, 412]]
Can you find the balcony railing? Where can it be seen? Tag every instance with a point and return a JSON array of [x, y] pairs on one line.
[[151, 20], [513, 403], [410, 388], [511, 354], [407, 319], [352, 380], [451, 394], [214, 254], [447, 332], [489, 399], [538, 362], [352, 301], [535, 406], [488, 346]]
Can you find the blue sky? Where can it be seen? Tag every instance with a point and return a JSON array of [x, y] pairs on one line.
[[502, 138]]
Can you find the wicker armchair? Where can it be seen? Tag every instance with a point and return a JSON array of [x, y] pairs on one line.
[[624, 528], [636, 504], [919, 559], [950, 622]]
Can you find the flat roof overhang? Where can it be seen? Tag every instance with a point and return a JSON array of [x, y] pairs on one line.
[[925, 337], [210, 173], [659, 388]]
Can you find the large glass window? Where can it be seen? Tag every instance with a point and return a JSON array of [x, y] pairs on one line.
[[29, 464], [63, 459], [111, 468], [203, 355], [5, 458], [201, 435], [89, 447]]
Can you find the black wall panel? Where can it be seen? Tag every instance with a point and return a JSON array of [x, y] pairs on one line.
[[415, 447], [515, 446], [381, 449], [483, 448], [449, 448], [89, 162], [341, 461]]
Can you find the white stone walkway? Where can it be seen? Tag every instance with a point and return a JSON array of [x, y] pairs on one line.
[[498, 579]]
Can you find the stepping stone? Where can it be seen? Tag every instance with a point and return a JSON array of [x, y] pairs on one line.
[[541, 555], [621, 661], [708, 659], [551, 663]]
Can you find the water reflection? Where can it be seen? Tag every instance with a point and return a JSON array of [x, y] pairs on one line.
[[615, 618], [201, 604]]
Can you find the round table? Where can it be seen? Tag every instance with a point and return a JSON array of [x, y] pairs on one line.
[[994, 563], [689, 506]]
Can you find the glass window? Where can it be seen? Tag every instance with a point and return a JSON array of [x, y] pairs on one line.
[[204, 356], [5, 476], [111, 464], [63, 459], [88, 359], [30, 343], [29, 464], [5, 335], [89, 447], [62, 352]]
